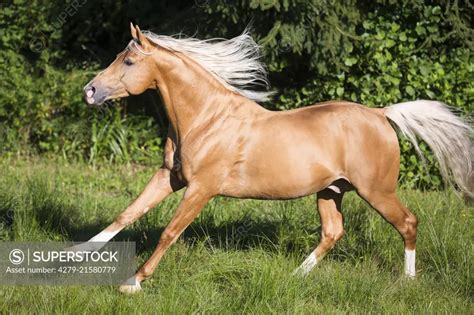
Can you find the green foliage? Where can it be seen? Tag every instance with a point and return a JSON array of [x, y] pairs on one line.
[[372, 52], [47, 114], [41, 110]]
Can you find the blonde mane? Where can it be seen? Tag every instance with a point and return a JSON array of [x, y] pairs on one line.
[[234, 62]]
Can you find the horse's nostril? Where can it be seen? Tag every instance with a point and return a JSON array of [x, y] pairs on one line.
[[90, 91]]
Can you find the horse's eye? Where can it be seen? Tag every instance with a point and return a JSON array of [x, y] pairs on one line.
[[128, 62]]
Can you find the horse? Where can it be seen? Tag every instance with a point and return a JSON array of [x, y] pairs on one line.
[[220, 142]]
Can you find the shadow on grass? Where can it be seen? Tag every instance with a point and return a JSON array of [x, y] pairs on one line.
[[245, 234], [242, 234], [53, 214]]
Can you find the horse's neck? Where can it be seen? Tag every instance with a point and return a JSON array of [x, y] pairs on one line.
[[192, 96]]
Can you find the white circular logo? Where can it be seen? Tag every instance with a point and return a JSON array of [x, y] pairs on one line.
[[16, 256]]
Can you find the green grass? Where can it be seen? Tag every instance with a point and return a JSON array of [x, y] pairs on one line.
[[237, 257]]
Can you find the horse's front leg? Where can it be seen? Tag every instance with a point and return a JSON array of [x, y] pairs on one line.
[[162, 184], [193, 201]]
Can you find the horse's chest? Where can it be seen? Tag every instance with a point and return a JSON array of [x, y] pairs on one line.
[[179, 166], [182, 163]]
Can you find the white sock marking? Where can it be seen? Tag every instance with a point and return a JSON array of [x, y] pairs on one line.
[[104, 236], [410, 270], [307, 265], [95, 243]]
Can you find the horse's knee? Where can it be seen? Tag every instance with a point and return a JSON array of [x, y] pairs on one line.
[[124, 219], [128, 217]]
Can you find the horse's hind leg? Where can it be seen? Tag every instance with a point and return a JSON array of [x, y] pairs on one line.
[[329, 207], [393, 211]]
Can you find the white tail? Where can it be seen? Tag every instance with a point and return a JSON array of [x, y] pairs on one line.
[[446, 134]]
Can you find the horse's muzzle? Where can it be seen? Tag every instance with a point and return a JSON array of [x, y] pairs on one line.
[[93, 95]]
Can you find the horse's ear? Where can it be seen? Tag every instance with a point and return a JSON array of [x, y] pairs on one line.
[[133, 31], [142, 38]]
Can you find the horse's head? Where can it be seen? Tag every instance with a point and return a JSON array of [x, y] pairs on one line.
[[131, 73]]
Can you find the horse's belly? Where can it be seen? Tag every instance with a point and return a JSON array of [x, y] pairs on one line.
[[280, 177]]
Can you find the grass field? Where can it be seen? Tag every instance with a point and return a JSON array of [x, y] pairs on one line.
[[237, 257]]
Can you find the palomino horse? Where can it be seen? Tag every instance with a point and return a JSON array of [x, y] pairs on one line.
[[221, 142]]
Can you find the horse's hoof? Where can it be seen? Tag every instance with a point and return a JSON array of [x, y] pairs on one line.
[[132, 288]]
